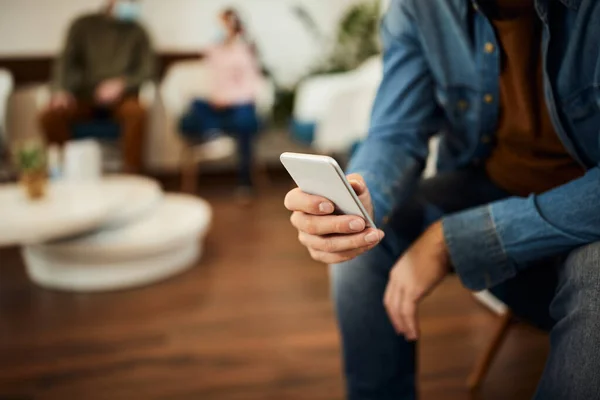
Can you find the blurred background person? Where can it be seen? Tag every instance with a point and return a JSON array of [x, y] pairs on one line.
[[235, 76], [106, 58]]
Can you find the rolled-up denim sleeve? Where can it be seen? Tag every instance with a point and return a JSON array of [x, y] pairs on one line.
[[405, 115], [490, 244]]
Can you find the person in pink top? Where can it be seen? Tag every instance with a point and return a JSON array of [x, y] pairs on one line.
[[230, 106]]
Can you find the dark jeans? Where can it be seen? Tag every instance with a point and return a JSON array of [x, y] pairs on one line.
[[561, 295], [239, 121]]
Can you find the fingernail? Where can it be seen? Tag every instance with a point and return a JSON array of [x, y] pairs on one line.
[[358, 184], [372, 237], [326, 208], [357, 225]]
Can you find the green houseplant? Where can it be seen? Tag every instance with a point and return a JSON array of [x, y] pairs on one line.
[[30, 159], [357, 38], [355, 41]]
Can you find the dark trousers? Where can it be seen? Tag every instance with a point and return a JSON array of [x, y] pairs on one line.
[[240, 121]]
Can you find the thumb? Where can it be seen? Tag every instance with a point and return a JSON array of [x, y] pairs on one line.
[[358, 183]]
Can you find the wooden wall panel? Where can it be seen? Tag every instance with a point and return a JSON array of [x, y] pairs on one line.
[[34, 69]]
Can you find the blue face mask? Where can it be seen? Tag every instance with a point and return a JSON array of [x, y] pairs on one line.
[[220, 34], [127, 11]]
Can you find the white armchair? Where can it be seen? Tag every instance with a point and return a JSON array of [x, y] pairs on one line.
[[347, 118], [6, 88], [184, 82], [338, 106]]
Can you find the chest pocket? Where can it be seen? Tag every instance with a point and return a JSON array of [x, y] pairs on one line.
[[459, 105], [583, 114], [461, 110]]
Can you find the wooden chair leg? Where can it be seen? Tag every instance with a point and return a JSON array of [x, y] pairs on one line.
[[485, 360], [189, 172]]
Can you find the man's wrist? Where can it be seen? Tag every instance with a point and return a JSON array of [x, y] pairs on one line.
[[476, 252], [439, 241]]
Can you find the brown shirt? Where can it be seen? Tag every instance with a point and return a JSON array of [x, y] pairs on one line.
[[528, 156], [99, 47]]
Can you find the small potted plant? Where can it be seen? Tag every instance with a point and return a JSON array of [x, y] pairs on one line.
[[30, 158]]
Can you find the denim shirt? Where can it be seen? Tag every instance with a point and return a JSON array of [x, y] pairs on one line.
[[441, 74]]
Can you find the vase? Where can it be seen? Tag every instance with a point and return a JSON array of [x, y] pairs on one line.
[[35, 184]]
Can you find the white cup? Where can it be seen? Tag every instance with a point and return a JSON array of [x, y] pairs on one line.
[[82, 160]]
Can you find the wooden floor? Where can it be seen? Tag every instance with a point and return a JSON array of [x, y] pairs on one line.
[[251, 321]]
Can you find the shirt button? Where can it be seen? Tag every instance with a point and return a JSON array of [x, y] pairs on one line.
[[486, 139], [386, 219], [488, 98], [489, 47], [475, 6], [462, 105]]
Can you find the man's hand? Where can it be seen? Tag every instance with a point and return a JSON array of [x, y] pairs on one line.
[[332, 238], [61, 100], [109, 91], [414, 276]]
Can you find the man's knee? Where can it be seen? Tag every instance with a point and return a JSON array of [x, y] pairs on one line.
[[54, 124], [582, 267], [244, 121], [574, 361], [579, 286], [131, 110], [49, 117], [361, 280], [348, 279], [189, 124]]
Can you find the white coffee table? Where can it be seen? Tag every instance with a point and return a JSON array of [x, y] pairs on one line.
[[159, 244], [143, 196], [72, 208]]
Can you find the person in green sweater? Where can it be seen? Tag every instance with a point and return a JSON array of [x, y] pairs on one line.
[[106, 58]]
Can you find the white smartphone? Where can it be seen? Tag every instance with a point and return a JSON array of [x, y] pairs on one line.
[[322, 176]]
